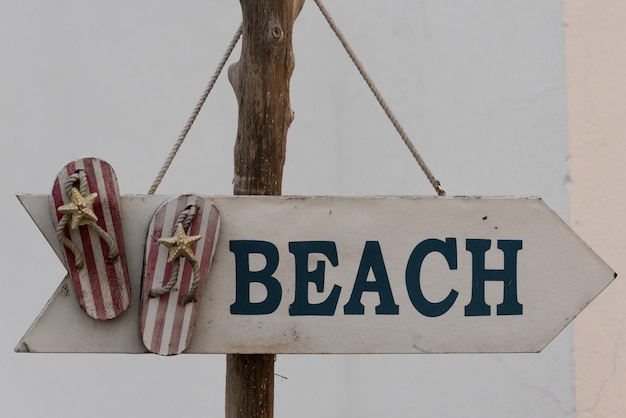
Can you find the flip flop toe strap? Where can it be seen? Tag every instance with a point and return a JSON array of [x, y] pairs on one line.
[[79, 211], [179, 246]]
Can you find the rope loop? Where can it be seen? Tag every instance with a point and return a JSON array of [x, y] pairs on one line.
[[79, 260]]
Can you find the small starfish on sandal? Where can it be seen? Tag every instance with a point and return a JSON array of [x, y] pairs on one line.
[[81, 209], [180, 244]]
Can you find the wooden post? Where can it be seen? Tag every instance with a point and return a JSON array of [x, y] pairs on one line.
[[261, 83]]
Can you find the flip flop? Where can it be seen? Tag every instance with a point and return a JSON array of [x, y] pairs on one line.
[[179, 251], [85, 204]]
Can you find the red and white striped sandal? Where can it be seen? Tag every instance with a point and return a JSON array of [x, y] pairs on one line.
[[86, 211], [179, 252]]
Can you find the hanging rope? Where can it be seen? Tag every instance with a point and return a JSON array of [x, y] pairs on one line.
[[381, 100], [359, 65], [196, 110]]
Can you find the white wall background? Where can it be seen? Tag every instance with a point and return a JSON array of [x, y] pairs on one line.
[[479, 85], [596, 61]]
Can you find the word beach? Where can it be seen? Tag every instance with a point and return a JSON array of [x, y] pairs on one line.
[[371, 261]]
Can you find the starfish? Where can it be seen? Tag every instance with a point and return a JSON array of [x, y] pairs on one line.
[[180, 244], [81, 209]]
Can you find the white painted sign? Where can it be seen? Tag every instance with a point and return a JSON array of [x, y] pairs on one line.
[[356, 275]]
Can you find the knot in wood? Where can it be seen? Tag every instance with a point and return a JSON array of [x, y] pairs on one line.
[[276, 33]]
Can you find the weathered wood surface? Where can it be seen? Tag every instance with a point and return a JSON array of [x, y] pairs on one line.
[[261, 81]]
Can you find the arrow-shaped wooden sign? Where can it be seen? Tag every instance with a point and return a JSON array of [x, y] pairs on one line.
[[354, 275]]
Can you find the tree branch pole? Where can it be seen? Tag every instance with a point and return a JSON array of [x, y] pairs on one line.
[[261, 83]]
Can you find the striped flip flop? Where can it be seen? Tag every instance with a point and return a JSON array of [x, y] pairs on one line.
[[179, 251], [86, 211]]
